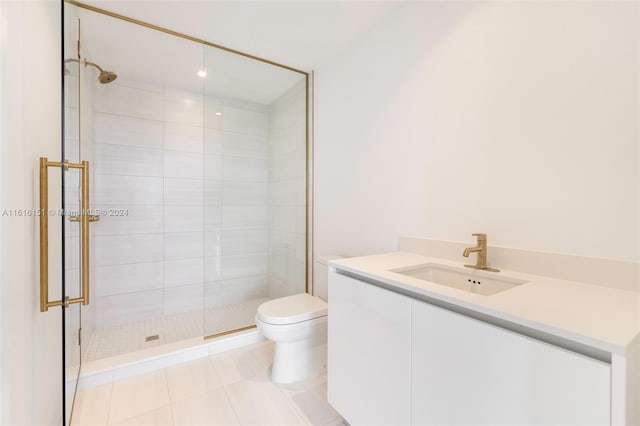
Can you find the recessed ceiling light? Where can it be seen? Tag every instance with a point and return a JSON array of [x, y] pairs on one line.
[[218, 113], [202, 73]]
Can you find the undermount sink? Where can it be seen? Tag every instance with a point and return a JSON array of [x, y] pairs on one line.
[[473, 281]]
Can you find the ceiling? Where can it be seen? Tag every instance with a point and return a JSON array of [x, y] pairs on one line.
[[299, 34]]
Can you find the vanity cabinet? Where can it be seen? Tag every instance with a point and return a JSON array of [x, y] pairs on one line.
[[397, 360], [369, 353], [465, 371]]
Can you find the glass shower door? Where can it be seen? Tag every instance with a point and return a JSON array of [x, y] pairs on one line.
[[71, 204]]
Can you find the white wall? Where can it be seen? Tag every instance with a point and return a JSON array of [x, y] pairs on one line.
[[287, 197], [31, 346], [519, 119]]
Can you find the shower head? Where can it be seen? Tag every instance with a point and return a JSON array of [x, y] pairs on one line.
[[105, 77]]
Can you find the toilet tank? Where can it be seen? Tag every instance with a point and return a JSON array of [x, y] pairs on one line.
[[320, 275]]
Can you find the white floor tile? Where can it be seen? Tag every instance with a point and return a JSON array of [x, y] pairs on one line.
[[92, 406], [261, 403], [313, 406], [225, 389], [211, 408], [138, 395], [192, 379], [160, 417], [238, 365]]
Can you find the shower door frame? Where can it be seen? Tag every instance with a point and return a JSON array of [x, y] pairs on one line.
[[308, 76]]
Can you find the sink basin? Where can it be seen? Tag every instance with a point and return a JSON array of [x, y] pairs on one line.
[[471, 280]]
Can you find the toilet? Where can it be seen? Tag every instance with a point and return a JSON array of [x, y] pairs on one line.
[[298, 326]]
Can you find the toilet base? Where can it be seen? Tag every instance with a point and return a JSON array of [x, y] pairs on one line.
[[297, 361]]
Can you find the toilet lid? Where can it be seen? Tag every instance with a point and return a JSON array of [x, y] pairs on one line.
[[292, 309]]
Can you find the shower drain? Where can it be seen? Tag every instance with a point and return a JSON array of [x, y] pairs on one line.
[[151, 338]]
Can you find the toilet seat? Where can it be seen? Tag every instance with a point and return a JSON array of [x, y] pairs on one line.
[[292, 309]]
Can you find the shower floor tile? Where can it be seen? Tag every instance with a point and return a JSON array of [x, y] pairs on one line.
[[121, 339]]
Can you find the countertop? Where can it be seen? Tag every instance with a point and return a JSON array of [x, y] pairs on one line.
[[604, 318]]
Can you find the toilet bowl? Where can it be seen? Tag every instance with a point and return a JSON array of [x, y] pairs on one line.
[[298, 326]]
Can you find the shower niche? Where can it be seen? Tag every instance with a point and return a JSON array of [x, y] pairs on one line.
[[199, 177]]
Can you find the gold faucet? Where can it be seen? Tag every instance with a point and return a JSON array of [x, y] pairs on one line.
[[481, 249]]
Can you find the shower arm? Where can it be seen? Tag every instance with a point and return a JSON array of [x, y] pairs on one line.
[[85, 62]]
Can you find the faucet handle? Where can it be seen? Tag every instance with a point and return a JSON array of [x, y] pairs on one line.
[[480, 236]]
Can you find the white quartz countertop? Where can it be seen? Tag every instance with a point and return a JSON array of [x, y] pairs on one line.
[[604, 318]]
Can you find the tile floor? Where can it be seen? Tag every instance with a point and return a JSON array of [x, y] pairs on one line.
[[231, 388], [120, 339]]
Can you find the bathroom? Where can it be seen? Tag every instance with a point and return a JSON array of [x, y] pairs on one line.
[[416, 125]]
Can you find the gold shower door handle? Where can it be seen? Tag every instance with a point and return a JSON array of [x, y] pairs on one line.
[[84, 218]]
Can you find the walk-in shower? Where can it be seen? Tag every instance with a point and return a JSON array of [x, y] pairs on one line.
[[198, 186]]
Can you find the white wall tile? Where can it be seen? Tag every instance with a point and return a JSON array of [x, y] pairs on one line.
[[213, 112], [183, 164], [245, 169], [183, 107], [240, 289], [212, 167], [245, 216], [213, 192], [71, 124], [212, 217], [213, 243], [300, 219], [128, 101], [129, 307], [130, 131], [153, 157], [183, 299], [239, 145], [212, 268], [71, 252], [213, 141], [122, 249], [212, 295], [245, 265], [183, 192], [116, 279], [125, 191], [245, 193], [183, 137], [287, 140], [183, 218], [137, 220], [283, 218], [244, 241], [183, 245], [284, 166], [287, 192], [280, 239], [183, 272], [300, 164], [238, 120]]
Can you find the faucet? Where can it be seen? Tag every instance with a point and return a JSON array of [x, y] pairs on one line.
[[481, 249]]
